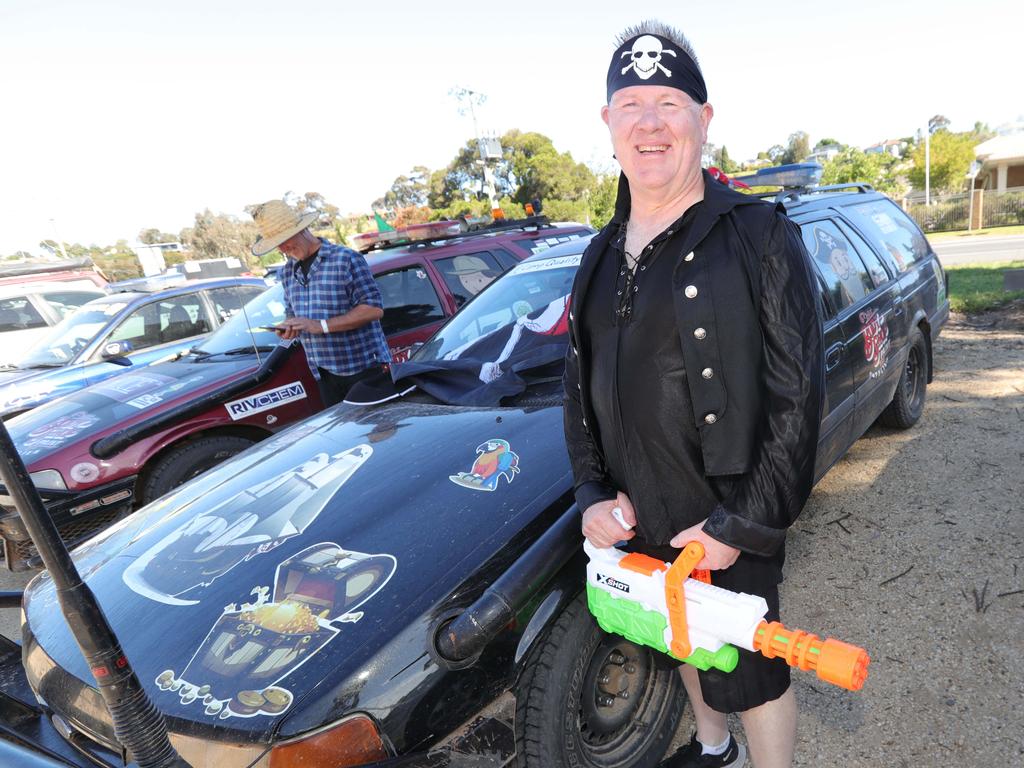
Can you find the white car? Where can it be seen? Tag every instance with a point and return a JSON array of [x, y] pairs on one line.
[[28, 310]]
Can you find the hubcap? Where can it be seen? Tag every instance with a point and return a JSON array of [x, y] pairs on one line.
[[613, 690]]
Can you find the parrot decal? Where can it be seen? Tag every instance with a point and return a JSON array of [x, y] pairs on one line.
[[495, 459]]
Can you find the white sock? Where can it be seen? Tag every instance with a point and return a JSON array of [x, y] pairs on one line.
[[715, 750]]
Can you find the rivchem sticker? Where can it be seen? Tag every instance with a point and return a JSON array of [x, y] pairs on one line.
[[495, 460], [264, 401], [238, 669], [250, 523]]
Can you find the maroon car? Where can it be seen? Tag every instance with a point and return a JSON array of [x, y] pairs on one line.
[[107, 449]]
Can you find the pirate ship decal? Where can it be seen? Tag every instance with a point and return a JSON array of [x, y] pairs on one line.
[[252, 522], [494, 460], [238, 669]]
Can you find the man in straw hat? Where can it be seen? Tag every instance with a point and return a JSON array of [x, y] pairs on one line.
[[331, 300], [694, 378]]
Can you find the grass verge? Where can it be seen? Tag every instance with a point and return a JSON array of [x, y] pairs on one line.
[[977, 288], [1016, 229]]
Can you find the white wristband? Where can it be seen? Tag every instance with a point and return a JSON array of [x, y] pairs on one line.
[[323, 325]]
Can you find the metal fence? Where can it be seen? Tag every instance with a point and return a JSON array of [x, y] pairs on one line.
[[946, 212], [950, 212], [1001, 210]]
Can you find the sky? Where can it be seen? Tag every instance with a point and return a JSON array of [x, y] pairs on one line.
[[119, 116]]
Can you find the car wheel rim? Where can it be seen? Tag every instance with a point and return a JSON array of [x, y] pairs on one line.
[[913, 384], [615, 690]]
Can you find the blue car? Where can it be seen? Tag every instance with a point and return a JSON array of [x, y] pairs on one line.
[[119, 332]]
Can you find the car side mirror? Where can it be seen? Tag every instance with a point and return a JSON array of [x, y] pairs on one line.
[[115, 352]]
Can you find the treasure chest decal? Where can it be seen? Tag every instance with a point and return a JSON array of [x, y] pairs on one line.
[[238, 669], [252, 522]]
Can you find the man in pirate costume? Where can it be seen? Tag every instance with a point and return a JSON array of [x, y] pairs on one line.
[[694, 376]]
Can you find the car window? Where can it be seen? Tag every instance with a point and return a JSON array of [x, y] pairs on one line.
[[533, 295], [845, 275], [876, 269], [899, 239], [160, 322], [18, 314], [62, 343], [468, 274], [66, 302], [506, 259], [229, 299], [409, 300]]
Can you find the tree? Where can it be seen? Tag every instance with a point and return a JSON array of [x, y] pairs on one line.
[[951, 157], [153, 235], [725, 163], [775, 153], [938, 123], [828, 143], [602, 199], [797, 148], [215, 236], [412, 191], [852, 165]]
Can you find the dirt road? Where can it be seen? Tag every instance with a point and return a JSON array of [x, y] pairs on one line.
[[911, 546]]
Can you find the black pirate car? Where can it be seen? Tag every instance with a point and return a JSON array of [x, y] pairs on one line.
[[400, 582]]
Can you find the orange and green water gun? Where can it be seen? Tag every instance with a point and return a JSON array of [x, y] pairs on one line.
[[675, 609]]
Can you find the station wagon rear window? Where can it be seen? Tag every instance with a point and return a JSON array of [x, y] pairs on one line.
[[897, 236]]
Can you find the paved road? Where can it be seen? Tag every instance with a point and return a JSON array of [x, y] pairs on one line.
[[978, 249]]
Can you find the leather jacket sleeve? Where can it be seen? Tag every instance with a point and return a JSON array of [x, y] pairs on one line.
[[768, 499], [591, 481]]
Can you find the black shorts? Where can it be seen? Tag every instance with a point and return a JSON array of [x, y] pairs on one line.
[[755, 680]]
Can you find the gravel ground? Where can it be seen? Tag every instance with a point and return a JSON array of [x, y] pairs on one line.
[[911, 547]]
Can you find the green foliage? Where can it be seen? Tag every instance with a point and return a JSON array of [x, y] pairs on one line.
[[725, 163], [217, 236], [797, 148], [153, 235], [602, 199], [853, 165], [951, 157], [412, 191], [979, 287]]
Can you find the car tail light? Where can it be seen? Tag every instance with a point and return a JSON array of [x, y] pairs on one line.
[[353, 741]]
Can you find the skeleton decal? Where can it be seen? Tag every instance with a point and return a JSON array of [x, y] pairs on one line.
[[645, 57]]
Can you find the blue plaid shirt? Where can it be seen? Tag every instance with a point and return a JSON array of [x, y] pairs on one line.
[[338, 280]]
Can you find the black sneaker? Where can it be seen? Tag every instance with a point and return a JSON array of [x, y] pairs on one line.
[[690, 756]]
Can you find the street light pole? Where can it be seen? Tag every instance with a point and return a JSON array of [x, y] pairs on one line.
[[927, 164]]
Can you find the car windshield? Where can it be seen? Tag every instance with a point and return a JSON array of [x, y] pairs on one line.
[[246, 331], [71, 335], [530, 301]]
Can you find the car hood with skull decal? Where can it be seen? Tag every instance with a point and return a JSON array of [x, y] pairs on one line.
[[304, 564]]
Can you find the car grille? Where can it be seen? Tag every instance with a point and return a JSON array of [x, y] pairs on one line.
[[71, 533]]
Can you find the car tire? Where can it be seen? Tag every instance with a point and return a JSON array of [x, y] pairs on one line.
[[908, 401], [566, 714], [188, 460]]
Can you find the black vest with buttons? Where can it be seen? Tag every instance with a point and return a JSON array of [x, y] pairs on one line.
[[716, 300]]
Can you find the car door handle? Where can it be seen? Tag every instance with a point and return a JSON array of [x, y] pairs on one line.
[[897, 305], [833, 356]]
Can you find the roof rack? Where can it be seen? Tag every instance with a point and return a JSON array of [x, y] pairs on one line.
[[441, 231]]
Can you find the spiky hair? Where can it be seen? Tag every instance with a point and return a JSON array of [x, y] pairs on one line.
[[660, 28]]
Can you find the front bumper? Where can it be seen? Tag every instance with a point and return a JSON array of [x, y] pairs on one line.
[[77, 516]]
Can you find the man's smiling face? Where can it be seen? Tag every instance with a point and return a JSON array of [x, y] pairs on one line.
[[657, 134]]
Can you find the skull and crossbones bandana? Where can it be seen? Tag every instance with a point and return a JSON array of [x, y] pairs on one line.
[[655, 60]]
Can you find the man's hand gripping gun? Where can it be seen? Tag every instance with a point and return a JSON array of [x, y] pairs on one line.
[[675, 609]]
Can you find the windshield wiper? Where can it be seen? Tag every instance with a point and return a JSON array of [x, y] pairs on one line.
[[198, 352], [8, 367], [245, 350], [43, 365]]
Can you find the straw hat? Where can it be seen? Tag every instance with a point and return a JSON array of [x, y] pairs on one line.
[[277, 222]]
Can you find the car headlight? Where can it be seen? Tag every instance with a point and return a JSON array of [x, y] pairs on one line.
[[353, 741], [48, 480]]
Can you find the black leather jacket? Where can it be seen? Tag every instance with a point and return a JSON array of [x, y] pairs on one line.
[[746, 307]]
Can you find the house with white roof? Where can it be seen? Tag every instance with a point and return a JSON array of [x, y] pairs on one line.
[[1002, 163]]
